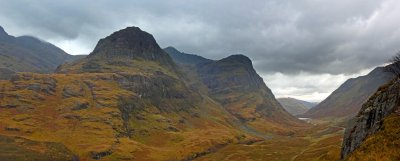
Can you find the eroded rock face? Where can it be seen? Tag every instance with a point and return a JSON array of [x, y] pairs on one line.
[[132, 43], [370, 118]]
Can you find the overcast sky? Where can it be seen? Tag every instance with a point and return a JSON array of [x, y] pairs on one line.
[[302, 48]]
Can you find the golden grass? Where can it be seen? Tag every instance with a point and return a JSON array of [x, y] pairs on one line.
[[383, 145]]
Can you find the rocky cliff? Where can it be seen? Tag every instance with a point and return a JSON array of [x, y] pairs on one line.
[[371, 117]]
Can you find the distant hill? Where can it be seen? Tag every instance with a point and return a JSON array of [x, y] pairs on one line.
[[346, 101], [30, 54], [295, 106]]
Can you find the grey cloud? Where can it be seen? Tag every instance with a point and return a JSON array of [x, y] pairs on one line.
[[278, 35]]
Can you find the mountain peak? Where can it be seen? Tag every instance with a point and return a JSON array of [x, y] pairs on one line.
[[129, 42], [2, 31], [172, 49], [238, 58], [4, 35]]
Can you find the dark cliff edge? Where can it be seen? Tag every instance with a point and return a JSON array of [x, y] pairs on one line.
[[370, 118]]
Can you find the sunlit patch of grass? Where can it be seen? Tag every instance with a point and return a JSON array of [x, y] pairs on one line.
[[303, 145]]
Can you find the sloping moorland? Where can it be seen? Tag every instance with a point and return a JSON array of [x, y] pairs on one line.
[[131, 100]]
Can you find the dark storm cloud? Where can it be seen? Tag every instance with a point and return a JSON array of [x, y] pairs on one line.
[[278, 35]]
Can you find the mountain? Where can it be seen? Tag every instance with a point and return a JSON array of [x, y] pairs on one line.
[[347, 100], [374, 132], [234, 84], [184, 58], [29, 54], [128, 100], [295, 106]]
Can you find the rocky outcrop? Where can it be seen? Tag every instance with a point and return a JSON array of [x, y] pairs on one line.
[[131, 43], [370, 118]]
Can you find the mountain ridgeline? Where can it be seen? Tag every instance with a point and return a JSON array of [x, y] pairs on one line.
[[29, 54], [295, 106], [128, 100], [233, 82], [347, 100]]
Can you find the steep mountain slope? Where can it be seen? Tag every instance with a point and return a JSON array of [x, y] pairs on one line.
[[29, 54], [234, 83], [126, 101], [295, 106], [373, 133], [346, 101]]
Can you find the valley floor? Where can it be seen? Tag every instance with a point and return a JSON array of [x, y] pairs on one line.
[[320, 142]]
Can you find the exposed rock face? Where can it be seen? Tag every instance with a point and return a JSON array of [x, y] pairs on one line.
[[132, 43], [232, 81], [235, 84], [347, 100], [239, 75], [369, 120]]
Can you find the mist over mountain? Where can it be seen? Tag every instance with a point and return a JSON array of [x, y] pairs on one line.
[[30, 54]]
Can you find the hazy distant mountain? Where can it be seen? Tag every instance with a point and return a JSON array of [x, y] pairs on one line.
[[295, 106], [346, 101], [29, 54]]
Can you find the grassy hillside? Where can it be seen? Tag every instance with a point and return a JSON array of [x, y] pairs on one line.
[[347, 100], [95, 117]]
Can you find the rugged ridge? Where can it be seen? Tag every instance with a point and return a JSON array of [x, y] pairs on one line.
[[233, 82], [371, 117], [125, 50], [132, 43], [125, 101], [347, 100], [184, 58]]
